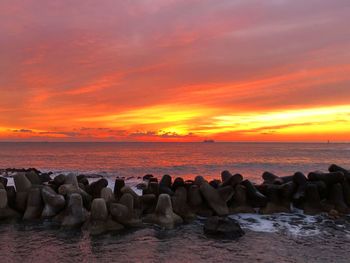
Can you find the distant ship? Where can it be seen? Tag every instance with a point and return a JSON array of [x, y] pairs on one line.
[[208, 141]]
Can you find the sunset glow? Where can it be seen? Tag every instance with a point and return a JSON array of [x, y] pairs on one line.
[[174, 70]]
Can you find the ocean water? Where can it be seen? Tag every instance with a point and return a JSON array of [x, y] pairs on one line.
[[269, 238]]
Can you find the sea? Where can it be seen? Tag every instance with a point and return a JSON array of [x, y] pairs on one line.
[[292, 237]]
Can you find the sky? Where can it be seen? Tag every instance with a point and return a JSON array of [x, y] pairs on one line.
[[174, 70]]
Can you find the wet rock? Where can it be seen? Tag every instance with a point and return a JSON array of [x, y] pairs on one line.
[[6, 212], [152, 188], [180, 206], [223, 227], [196, 202], [213, 199], [277, 202], [166, 181], [312, 205], [148, 203], [34, 205], [71, 179], [328, 178], [3, 181], [226, 192], [75, 214], [11, 196], [124, 213], [147, 177], [337, 168], [256, 198], [119, 184], [164, 215], [22, 183], [96, 187], [198, 180], [270, 178], [165, 185], [299, 196], [215, 183], [178, 182], [336, 197], [59, 180], [44, 177], [107, 195], [69, 189], [225, 175], [53, 202], [240, 202], [33, 177], [100, 222]]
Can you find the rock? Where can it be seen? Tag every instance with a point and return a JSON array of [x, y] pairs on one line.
[[337, 168], [225, 175], [3, 181], [299, 196], [44, 177], [336, 198], [239, 202], [213, 199], [165, 185], [99, 210], [256, 198], [147, 177], [198, 180], [107, 195], [22, 183], [141, 186], [346, 191], [75, 214], [226, 193], [328, 178], [270, 178], [6, 212], [71, 179], [53, 202], [125, 212], [180, 206], [69, 189], [152, 188], [215, 183], [164, 215], [11, 196], [166, 181], [33, 177], [178, 182], [196, 202], [232, 180], [96, 187], [223, 227], [34, 205], [312, 204], [277, 203], [119, 184], [59, 180], [148, 203]]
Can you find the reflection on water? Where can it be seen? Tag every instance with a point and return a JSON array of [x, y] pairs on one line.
[[46, 243], [177, 159]]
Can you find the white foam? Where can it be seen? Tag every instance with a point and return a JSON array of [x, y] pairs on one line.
[[291, 224]]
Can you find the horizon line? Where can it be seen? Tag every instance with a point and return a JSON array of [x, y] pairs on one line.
[[324, 142]]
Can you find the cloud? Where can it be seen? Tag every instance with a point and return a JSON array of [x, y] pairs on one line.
[[23, 131], [119, 67]]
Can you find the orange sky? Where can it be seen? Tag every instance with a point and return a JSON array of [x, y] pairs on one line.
[[175, 70]]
